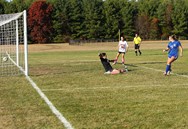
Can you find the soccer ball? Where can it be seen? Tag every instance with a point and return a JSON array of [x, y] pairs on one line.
[[5, 59]]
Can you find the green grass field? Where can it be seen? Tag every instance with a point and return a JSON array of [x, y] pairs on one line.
[[75, 83]]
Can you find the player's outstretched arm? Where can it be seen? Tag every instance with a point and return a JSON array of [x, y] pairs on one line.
[[111, 60], [164, 50], [181, 50]]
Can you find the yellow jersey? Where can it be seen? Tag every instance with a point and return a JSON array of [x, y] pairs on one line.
[[137, 40]]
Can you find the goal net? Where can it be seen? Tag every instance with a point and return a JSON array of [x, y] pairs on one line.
[[13, 44]]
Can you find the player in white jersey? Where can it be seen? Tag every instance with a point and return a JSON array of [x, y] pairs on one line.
[[122, 49]]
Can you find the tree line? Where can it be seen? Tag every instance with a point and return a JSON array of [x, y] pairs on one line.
[[61, 20]]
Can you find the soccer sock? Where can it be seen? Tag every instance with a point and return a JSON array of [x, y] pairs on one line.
[[167, 68], [136, 52], [170, 68], [123, 60], [140, 52]]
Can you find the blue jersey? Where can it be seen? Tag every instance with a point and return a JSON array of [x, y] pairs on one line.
[[173, 49]]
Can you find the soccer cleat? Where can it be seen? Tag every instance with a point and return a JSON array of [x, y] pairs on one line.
[[108, 72], [123, 70], [168, 73]]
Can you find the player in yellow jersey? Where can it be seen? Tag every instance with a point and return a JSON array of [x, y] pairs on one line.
[[137, 42]]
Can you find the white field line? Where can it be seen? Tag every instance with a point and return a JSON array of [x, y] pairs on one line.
[[49, 103], [95, 88], [158, 70], [44, 97], [58, 114], [186, 76]]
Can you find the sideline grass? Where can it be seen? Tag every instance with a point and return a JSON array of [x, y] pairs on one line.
[[75, 83]]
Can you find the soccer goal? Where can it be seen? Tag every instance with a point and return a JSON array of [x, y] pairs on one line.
[[13, 44]]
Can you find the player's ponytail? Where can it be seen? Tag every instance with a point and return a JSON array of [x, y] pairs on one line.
[[174, 37]]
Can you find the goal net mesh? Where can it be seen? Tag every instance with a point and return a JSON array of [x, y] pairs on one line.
[[12, 48]]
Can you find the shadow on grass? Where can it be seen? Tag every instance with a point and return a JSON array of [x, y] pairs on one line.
[[62, 71], [152, 63]]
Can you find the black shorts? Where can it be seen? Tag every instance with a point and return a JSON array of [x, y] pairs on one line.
[[136, 46], [121, 52]]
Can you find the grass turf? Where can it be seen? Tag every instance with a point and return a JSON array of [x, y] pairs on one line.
[[74, 82]]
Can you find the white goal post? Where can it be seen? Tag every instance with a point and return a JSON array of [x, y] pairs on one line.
[[13, 44]]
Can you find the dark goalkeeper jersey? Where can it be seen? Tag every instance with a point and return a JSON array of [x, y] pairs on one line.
[[106, 64]]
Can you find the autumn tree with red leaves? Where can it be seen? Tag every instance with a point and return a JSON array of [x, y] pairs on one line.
[[40, 22]]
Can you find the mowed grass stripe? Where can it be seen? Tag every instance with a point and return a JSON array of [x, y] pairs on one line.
[[115, 87]]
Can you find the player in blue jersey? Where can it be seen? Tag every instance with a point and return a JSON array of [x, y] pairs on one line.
[[174, 49]]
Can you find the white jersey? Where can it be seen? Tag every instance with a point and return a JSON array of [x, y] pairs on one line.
[[123, 45]]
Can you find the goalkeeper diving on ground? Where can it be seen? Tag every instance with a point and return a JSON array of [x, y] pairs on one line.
[[107, 66]]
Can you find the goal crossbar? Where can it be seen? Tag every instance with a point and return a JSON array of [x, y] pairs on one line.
[[4, 19]]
